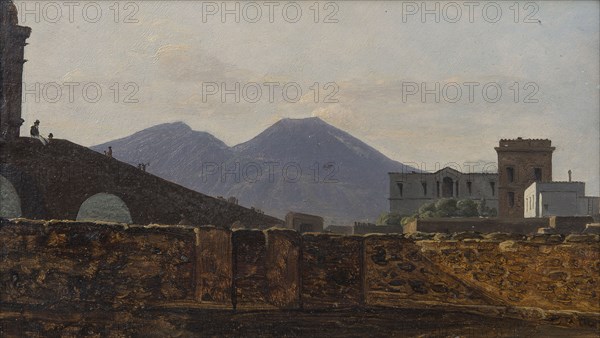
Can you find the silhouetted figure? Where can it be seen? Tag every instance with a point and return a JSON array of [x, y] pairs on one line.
[[35, 132], [50, 137], [570, 175], [108, 152]]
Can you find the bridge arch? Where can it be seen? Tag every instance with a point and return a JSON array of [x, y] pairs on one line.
[[30, 198], [104, 207], [10, 202]]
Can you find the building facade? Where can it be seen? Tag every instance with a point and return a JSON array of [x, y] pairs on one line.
[[520, 163], [303, 222], [559, 199], [409, 191], [12, 47]]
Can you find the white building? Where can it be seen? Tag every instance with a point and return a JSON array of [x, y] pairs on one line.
[[559, 199]]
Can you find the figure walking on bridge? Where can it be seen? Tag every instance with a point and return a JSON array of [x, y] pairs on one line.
[[108, 152], [35, 132]]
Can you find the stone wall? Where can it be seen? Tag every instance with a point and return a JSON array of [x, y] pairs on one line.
[[214, 266], [71, 267], [86, 266], [283, 268], [331, 270], [363, 229], [249, 267], [398, 274], [522, 226], [572, 224], [546, 271]]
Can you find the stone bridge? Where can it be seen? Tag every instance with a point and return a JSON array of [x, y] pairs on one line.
[[64, 180]]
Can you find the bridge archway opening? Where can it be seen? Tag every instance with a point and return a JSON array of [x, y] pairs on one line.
[[104, 207], [10, 202]]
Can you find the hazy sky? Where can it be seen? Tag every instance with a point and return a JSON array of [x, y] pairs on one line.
[[170, 60]]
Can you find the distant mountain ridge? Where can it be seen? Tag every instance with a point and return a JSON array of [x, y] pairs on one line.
[[303, 165]]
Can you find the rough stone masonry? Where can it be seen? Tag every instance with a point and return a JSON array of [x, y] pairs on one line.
[[72, 267]]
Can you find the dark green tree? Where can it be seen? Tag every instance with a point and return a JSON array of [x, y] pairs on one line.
[[450, 207], [445, 207], [467, 208]]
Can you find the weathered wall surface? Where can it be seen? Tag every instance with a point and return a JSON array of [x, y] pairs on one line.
[[214, 267], [569, 224], [331, 270], [524, 156], [364, 229], [398, 274], [546, 271], [95, 265], [283, 268], [249, 267], [71, 266], [523, 226]]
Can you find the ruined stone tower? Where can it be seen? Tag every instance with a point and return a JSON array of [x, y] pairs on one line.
[[12, 45], [520, 163]]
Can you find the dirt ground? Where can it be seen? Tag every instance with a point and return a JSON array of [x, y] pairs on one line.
[[270, 323]]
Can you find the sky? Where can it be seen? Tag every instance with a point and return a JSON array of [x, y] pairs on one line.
[[424, 85]]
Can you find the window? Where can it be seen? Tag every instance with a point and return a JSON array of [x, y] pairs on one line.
[[424, 185], [438, 188], [447, 187], [511, 199], [400, 187], [493, 187], [537, 174], [545, 207], [470, 187], [510, 174], [456, 190]]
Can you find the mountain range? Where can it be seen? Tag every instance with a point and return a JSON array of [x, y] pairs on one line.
[[303, 165]]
